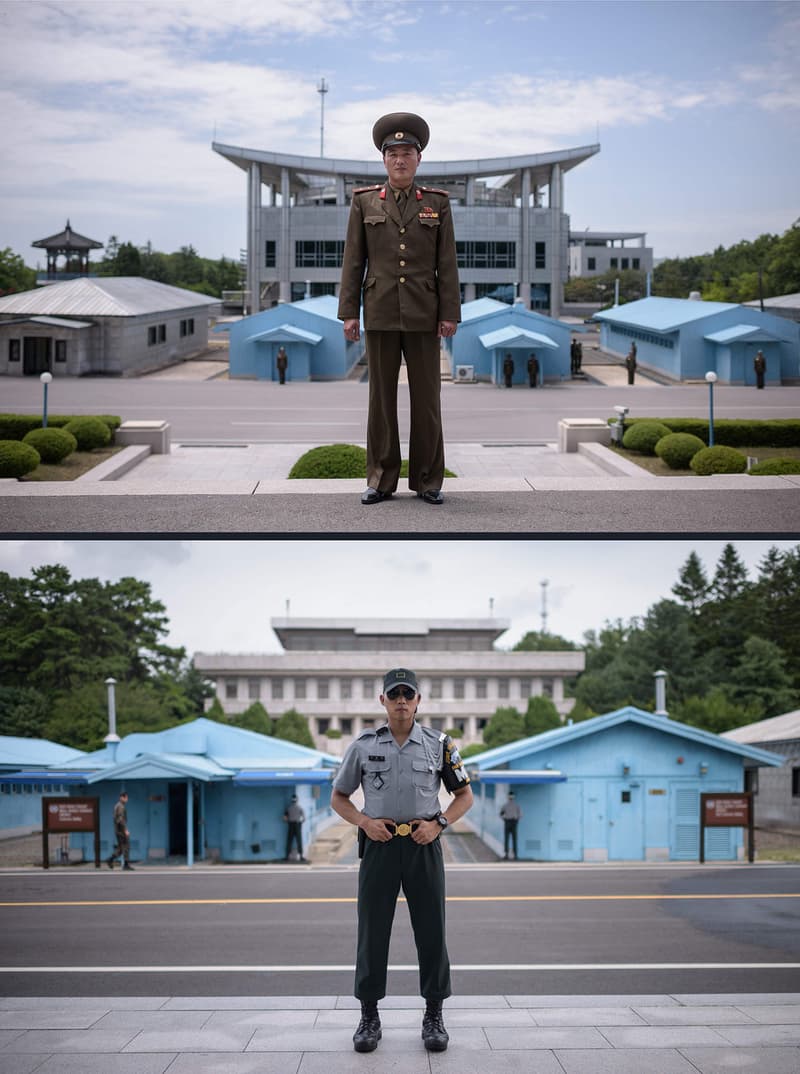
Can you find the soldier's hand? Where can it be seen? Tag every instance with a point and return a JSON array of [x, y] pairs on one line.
[[426, 831], [352, 330], [376, 830], [447, 328]]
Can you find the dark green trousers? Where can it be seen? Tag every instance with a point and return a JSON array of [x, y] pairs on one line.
[[419, 871]]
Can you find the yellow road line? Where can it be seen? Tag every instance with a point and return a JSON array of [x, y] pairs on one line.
[[352, 899]]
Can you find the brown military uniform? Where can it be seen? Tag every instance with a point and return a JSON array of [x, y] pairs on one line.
[[402, 259]]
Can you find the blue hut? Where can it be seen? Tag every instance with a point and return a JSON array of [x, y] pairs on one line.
[[489, 330], [625, 786], [310, 333], [201, 790], [687, 338], [21, 799]]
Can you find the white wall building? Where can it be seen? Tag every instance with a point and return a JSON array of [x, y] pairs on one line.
[[593, 253], [332, 671]]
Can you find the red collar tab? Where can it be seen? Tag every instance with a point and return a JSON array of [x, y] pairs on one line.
[[383, 194], [419, 195]]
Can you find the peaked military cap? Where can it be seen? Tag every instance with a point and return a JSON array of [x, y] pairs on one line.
[[401, 128], [399, 677]]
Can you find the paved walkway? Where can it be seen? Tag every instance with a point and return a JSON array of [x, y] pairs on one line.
[[492, 1034]]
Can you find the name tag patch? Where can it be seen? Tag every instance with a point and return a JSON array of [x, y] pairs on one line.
[[376, 757]]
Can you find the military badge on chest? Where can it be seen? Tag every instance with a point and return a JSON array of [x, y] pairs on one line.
[[427, 213]]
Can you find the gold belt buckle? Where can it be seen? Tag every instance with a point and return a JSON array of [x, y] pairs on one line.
[[402, 829]]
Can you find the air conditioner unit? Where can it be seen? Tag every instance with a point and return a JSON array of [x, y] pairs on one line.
[[465, 374]]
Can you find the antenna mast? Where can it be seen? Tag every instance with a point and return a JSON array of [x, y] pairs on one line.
[[544, 584], [322, 89]]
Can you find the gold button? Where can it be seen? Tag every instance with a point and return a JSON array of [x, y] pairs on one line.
[[402, 279], [402, 246], [402, 231], [402, 264]]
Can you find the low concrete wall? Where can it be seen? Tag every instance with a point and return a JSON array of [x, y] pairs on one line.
[[156, 434], [575, 431]]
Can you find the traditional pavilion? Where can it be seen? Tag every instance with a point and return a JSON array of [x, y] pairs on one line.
[[73, 247]]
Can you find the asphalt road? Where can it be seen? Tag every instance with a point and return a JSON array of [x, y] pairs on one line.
[[260, 411], [512, 929]]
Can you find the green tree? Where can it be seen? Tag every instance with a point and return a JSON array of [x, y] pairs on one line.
[[714, 712], [692, 588], [541, 715], [539, 641], [759, 679], [255, 718], [293, 727], [79, 717], [776, 606], [23, 712], [579, 712], [216, 712], [507, 725], [128, 261], [14, 275], [783, 266]]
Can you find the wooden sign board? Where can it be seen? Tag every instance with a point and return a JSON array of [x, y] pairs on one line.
[[70, 815], [727, 810]]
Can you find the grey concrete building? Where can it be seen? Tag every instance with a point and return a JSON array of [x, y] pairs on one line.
[[777, 790], [593, 253], [510, 241], [331, 670], [113, 325]]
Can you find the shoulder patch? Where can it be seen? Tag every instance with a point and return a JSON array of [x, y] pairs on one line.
[[366, 189], [435, 190], [367, 732]]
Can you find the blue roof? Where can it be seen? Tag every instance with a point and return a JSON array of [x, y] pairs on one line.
[[512, 334], [326, 306], [524, 747], [663, 314], [286, 333], [480, 307], [739, 331], [34, 752]]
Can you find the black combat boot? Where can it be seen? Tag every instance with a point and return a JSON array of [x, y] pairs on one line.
[[433, 1032], [368, 1033]]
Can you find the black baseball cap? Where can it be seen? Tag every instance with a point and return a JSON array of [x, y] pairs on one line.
[[399, 677]]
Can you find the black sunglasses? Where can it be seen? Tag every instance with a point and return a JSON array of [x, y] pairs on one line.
[[401, 691]]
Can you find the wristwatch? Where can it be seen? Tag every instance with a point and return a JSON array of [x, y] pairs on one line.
[[442, 819]]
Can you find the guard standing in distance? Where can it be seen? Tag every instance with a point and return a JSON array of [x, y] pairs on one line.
[[508, 370], [533, 370], [281, 361], [121, 834], [760, 366], [294, 817], [400, 254], [630, 363], [400, 767], [511, 813]]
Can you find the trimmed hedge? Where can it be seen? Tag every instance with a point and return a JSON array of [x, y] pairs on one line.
[[735, 432], [53, 445], [15, 426], [678, 449], [89, 432], [643, 436], [17, 459], [331, 461], [775, 467], [718, 460]]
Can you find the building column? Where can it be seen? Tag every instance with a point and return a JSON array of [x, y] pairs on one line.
[[189, 823], [254, 252], [556, 230], [284, 247], [525, 262]]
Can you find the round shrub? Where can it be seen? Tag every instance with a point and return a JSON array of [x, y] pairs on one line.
[[53, 445], [17, 459], [719, 460], [643, 436], [332, 460], [677, 449], [776, 467], [89, 432]]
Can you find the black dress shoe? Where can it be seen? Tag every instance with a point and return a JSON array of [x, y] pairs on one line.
[[432, 496], [368, 1033], [434, 1036], [370, 496]]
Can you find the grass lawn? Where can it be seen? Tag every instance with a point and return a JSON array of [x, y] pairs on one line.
[[79, 462], [657, 466]]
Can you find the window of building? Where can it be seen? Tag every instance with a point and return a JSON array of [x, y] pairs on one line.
[[481, 688], [368, 688], [61, 350], [796, 783], [346, 725], [318, 253], [502, 688], [14, 350], [437, 723], [547, 687], [591, 263], [525, 688], [323, 689], [301, 289], [458, 689], [323, 723], [540, 256], [277, 689], [345, 689], [614, 262], [162, 333], [480, 255], [436, 688], [751, 780], [187, 327], [231, 688], [254, 689], [625, 262], [300, 689], [481, 722], [635, 262], [152, 336], [269, 254]]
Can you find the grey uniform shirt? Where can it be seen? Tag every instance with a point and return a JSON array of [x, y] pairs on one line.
[[401, 782], [295, 813], [511, 811]]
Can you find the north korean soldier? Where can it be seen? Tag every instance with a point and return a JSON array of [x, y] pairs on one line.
[[400, 256], [400, 767]]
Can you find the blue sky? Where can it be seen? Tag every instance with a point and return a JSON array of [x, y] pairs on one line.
[[221, 595], [110, 108]]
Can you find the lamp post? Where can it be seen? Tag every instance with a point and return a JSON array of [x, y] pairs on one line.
[[45, 378], [711, 377]]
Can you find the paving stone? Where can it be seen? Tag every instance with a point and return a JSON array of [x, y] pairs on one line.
[[49, 1041], [99, 1064], [249, 1003], [454, 1061], [259, 1019], [743, 1060], [21, 1064], [752, 1036], [378, 1062], [662, 1036], [201, 1040], [50, 1019], [630, 1061], [772, 1014], [694, 1016], [586, 1016], [236, 1063], [736, 999], [139, 1021], [546, 1037], [589, 1001]]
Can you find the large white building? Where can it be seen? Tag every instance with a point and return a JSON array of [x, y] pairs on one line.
[[593, 253], [511, 225], [331, 670]]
